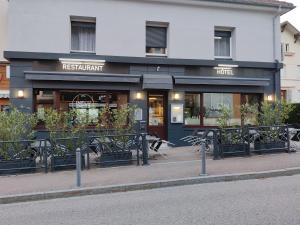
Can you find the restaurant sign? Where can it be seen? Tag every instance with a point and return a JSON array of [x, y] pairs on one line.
[[82, 65]]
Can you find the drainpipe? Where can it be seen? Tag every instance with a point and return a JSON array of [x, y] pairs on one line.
[[277, 83]]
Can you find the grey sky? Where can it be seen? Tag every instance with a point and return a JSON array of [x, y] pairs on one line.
[[294, 15]]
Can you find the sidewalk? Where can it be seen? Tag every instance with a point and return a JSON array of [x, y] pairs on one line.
[[170, 164]]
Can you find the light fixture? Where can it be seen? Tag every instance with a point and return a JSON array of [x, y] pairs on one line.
[[20, 94], [139, 95], [176, 96], [270, 98], [90, 61], [228, 65]]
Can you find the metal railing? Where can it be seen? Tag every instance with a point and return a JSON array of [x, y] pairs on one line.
[[60, 153], [241, 140]]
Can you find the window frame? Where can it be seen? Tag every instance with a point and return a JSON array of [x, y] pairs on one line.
[[230, 43], [81, 19], [157, 24], [201, 113]]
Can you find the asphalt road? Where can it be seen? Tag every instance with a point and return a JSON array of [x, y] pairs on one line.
[[273, 201]]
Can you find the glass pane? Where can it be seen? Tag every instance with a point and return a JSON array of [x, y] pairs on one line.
[[156, 110], [44, 100], [90, 104], [83, 37], [213, 103], [192, 109], [222, 46]]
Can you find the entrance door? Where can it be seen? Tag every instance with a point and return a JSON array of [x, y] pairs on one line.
[[157, 111]]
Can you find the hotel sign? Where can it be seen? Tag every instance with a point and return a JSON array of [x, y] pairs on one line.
[[82, 65], [225, 69]]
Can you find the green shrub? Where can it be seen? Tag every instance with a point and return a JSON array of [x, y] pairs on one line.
[[294, 115], [274, 113], [16, 125]]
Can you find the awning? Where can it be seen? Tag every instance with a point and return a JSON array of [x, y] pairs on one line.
[[4, 93], [190, 80], [82, 77], [155, 81]]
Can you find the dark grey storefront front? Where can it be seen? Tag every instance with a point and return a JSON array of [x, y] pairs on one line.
[[172, 95]]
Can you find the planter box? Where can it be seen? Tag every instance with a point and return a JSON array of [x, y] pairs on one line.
[[235, 149], [276, 146], [66, 162], [115, 159], [17, 166]]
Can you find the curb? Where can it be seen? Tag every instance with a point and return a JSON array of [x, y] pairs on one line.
[[146, 186]]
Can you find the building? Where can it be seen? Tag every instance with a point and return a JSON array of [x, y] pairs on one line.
[[290, 75], [176, 60], [4, 65]]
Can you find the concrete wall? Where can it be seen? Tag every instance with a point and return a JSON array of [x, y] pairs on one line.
[[44, 26], [3, 27], [291, 71]]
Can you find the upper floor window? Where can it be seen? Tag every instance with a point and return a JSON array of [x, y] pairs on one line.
[[223, 44], [83, 36], [156, 39], [287, 47]]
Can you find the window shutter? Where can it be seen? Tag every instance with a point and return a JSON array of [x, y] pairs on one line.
[[223, 34], [156, 37]]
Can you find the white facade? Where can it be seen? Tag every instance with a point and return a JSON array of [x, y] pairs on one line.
[[3, 27], [290, 75], [44, 26]]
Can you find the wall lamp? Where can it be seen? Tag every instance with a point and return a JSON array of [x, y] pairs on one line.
[[270, 98], [228, 65], [176, 96], [139, 95], [20, 94]]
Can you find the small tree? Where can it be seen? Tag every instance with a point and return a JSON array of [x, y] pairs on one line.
[[249, 114], [225, 114]]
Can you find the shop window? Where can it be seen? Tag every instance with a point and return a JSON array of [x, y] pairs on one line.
[[192, 109], [44, 99], [223, 44], [156, 39], [85, 104], [83, 36], [90, 104], [204, 109], [213, 103]]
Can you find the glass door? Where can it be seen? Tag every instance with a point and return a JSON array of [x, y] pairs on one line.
[[157, 115]]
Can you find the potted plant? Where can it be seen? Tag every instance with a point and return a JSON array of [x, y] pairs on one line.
[[67, 133], [16, 154], [116, 149], [232, 139], [272, 133]]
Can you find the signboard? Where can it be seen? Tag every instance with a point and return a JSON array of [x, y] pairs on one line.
[[138, 114], [82, 65], [176, 113], [224, 71]]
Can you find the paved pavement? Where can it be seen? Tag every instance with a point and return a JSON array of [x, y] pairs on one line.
[[273, 201], [174, 163]]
